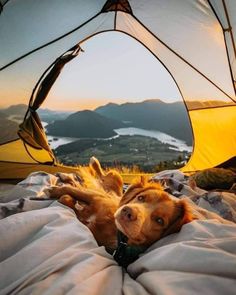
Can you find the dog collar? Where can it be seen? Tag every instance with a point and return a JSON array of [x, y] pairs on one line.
[[125, 254]]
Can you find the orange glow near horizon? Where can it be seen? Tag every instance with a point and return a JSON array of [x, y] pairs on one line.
[[75, 105]]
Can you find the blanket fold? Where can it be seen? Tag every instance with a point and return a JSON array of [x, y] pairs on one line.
[[45, 249]]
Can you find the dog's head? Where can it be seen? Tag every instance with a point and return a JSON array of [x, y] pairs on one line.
[[147, 213]]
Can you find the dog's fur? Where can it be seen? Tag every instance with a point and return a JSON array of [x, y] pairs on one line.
[[94, 200], [145, 213]]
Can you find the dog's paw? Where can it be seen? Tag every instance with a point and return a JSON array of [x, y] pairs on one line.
[[53, 192], [66, 178]]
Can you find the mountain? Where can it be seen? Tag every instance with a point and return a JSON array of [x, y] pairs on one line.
[[48, 116], [9, 119], [45, 115], [8, 131], [13, 115], [170, 118], [18, 109], [3, 115], [84, 124]]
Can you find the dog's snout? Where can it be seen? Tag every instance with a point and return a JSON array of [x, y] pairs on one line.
[[128, 214]]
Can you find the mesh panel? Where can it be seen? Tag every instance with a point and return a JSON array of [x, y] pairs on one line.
[[191, 45], [33, 18], [191, 29], [226, 12], [18, 81], [194, 87]]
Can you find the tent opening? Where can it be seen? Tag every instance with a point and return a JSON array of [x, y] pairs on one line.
[[195, 51], [120, 104]]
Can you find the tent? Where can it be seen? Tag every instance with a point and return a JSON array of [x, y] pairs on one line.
[[194, 40]]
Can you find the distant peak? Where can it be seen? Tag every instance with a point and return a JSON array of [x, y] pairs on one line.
[[20, 105], [112, 104], [153, 100], [108, 105], [83, 112]]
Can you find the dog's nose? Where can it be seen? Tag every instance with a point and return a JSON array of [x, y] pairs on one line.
[[128, 214]]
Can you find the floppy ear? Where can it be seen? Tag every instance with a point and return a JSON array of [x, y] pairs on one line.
[[133, 189], [140, 184], [95, 167], [183, 215], [129, 195]]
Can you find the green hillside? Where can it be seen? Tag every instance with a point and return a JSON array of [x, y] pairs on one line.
[[145, 152], [84, 124], [170, 118]]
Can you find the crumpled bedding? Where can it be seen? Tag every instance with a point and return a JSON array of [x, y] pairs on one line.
[[44, 249], [177, 184]]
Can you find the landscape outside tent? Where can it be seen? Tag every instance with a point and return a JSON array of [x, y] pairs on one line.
[[122, 143], [88, 76], [198, 77], [90, 84], [142, 150], [91, 79]]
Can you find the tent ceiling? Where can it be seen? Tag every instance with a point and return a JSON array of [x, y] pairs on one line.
[[186, 19], [194, 40]]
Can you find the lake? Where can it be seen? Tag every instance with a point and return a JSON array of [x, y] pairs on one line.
[[56, 141], [177, 144]]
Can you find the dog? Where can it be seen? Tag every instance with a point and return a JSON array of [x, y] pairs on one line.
[[94, 198], [145, 213]]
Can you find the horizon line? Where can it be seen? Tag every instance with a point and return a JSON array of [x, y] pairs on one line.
[[95, 107]]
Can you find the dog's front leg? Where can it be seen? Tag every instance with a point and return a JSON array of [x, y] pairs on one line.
[[55, 192], [80, 194]]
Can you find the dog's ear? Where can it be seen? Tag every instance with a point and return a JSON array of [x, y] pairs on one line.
[[137, 185], [183, 215], [129, 195], [140, 184], [143, 180], [95, 167]]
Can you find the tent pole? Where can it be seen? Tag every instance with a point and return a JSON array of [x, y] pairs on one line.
[[184, 60], [226, 46], [49, 43], [229, 27]]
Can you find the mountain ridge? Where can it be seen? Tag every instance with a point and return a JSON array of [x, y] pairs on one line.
[[170, 118], [150, 114], [84, 124]]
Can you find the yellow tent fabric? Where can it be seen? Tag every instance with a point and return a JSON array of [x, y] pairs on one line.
[[194, 40], [19, 152], [214, 135]]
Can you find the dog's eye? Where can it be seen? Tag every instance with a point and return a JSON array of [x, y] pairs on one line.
[[141, 198], [159, 220]]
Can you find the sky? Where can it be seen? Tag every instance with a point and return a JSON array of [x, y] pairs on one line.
[[112, 68]]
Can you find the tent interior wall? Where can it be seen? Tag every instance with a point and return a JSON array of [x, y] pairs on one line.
[[204, 69]]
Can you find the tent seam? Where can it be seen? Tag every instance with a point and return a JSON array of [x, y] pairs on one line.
[[184, 60], [49, 43], [226, 47]]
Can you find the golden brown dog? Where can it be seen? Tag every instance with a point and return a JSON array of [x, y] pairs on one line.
[[144, 214], [94, 200]]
